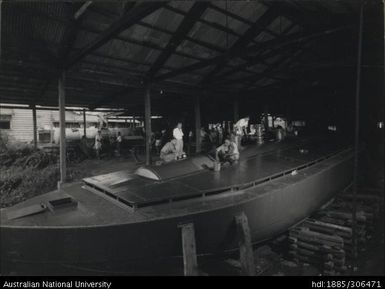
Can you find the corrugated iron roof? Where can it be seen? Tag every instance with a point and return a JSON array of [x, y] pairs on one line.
[[35, 35]]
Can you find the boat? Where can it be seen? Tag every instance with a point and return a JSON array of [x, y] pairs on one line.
[[134, 217]]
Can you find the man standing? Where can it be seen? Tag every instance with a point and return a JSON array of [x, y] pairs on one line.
[[98, 143], [118, 143], [178, 135], [240, 129]]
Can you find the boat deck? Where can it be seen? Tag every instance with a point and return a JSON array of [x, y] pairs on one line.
[[263, 166]]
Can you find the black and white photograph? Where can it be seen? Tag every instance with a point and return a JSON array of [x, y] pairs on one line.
[[191, 138]]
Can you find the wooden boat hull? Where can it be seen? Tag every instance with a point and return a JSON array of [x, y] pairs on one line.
[[271, 207]]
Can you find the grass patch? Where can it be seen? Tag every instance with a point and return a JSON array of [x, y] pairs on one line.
[[26, 172]]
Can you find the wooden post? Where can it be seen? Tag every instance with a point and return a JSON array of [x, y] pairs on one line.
[[34, 122], [236, 110], [357, 132], [62, 125], [198, 140], [266, 119], [147, 117], [245, 248], [190, 261], [84, 123], [1, 17]]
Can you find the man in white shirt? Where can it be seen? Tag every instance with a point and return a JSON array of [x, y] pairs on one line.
[[178, 135], [240, 129], [118, 143]]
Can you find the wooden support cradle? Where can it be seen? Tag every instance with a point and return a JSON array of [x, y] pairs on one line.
[[245, 248], [190, 262]]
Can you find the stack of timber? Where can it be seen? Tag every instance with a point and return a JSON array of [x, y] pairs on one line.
[[326, 240], [369, 208], [324, 250]]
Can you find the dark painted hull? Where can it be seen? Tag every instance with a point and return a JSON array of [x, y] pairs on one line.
[[271, 209]]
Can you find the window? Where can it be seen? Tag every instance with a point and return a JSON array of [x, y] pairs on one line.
[[5, 122]]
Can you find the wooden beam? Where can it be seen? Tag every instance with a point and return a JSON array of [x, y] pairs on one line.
[[130, 18], [197, 110], [34, 124], [169, 32], [62, 125], [144, 43], [190, 260], [68, 41], [84, 123], [82, 9], [237, 48], [1, 26], [147, 122], [250, 49], [235, 110], [209, 23], [245, 247], [357, 131], [187, 23]]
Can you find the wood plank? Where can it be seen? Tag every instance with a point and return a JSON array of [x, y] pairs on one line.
[[190, 261], [245, 247]]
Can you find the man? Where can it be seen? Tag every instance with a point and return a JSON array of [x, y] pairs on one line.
[[118, 143], [169, 152], [227, 152], [98, 143], [178, 135], [240, 129]]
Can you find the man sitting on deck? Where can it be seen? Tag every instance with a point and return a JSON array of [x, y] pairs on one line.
[[227, 152], [169, 151]]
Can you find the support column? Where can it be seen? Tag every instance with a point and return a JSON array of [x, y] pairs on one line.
[[236, 110], [197, 110], [357, 131], [1, 16], [63, 165], [34, 126], [84, 123], [147, 122], [266, 119], [133, 121]]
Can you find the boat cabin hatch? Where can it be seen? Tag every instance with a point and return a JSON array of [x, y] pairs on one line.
[[175, 169]]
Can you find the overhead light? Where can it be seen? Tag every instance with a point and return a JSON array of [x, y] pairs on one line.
[[380, 124]]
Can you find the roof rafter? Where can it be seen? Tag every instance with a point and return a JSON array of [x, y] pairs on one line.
[[187, 23], [69, 38], [236, 49], [260, 57], [241, 19], [128, 19]]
